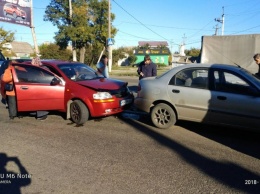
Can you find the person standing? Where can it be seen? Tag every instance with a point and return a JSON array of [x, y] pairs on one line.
[[7, 78], [147, 68], [2, 85], [102, 66], [257, 61]]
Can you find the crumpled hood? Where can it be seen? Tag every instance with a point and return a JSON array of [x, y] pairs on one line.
[[103, 84]]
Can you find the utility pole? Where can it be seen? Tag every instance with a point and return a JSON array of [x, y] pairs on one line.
[[184, 39], [182, 46], [222, 21], [216, 30], [74, 53], [171, 46], [33, 32], [109, 47]]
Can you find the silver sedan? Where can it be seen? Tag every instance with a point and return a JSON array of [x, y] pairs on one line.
[[210, 93]]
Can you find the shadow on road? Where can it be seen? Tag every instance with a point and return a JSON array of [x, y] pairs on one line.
[[244, 141], [10, 181], [226, 173]]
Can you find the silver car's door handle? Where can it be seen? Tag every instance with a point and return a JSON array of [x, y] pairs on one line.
[[24, 87], [222, 97], [176, 91]]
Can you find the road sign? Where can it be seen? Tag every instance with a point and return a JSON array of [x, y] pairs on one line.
[[110, 41]]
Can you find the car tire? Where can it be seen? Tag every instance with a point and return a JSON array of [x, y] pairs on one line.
[[163, 116], [79, 112]]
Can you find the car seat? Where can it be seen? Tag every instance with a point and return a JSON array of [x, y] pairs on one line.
[[70, 73]]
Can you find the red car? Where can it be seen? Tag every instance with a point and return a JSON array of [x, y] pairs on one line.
[[14, 10], [70, 87]]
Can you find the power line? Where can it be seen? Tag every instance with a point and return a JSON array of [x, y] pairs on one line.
[[245, 30], [171, 27], [159, 26], [141, 22]]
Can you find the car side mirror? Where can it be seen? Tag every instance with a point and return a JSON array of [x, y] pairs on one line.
[[55, 81]]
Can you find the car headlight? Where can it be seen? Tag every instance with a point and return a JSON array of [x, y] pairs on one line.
[[103, 97]]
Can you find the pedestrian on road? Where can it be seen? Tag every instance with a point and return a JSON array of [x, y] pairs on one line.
[[147, 68], [7, 78], [102, 66]]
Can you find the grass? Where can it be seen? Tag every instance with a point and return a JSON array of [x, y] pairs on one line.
[[132, 71]]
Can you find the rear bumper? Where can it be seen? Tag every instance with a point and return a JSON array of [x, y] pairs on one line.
[[143, 104]]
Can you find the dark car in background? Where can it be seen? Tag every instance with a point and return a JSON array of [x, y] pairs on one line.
[[2, 59], [211, 93], [70, 87]]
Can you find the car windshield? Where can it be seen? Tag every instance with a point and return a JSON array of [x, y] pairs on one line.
[[79, 72]]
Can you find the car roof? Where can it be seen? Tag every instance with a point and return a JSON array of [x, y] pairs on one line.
[[207, 65], [202, 65]]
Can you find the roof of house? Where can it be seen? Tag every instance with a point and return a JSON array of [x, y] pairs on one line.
[[153, 43], [21, 47]]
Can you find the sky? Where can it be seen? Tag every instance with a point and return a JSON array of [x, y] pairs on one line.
[[175, 21]]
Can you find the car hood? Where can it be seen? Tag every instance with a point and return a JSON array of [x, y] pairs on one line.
[[103, 84]]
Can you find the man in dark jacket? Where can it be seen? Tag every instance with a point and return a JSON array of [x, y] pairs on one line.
[[147, 68], [256, 58]]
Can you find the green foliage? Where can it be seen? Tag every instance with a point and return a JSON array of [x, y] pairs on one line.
[[118, 54], [71, 27], [160, 65], [192, 52], [146, 46], [53, 51], [122, 53], [86, 28], [170, 60], [5, 37], [8, 54], [132, 58], [161, 47]]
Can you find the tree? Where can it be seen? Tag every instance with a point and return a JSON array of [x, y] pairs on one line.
[[192, 52], [123, 52], [53, 51], [86, 28], [132, 58], [5, 37], [99, 19], [118, 54], [146, 46]]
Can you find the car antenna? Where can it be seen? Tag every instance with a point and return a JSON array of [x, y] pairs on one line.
[[237, 65]]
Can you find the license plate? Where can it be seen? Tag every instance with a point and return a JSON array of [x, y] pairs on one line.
[[125, 102]]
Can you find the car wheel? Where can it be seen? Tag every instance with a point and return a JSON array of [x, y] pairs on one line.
[[163, 116], [78, 112]]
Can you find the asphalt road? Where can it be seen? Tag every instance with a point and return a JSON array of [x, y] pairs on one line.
[[125, 154]]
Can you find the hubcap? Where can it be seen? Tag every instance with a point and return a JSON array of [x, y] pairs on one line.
[[162, 116], [75, 112]]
